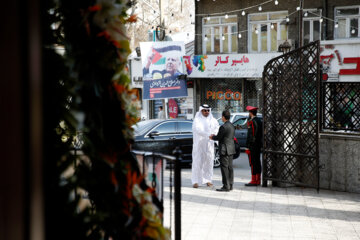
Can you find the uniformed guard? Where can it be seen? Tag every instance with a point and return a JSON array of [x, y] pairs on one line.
[[253, 145]]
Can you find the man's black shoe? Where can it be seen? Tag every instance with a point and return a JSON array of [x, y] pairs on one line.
[[251, 184], [222, 189], [231, 187]]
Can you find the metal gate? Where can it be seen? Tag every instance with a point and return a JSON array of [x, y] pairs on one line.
[[291, 86]]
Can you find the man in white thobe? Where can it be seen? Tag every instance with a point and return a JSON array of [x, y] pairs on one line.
[[204, 125]]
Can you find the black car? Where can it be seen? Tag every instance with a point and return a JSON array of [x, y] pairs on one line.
[[163, 136], [241, 130]]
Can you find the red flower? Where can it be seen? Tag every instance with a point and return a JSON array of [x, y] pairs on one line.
[[113, 179], [94, 8], [132, 18], [119, 88], [111, 158], [105, 34], [116, 43]]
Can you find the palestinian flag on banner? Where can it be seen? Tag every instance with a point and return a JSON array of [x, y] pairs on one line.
[[160, 54]]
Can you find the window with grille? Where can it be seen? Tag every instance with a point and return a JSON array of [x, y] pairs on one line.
[[341, 106], [268, 30], [347, 22], [220, 34]]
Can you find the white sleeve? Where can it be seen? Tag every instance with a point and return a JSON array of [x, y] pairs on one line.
[[199, 129], [214, 126]]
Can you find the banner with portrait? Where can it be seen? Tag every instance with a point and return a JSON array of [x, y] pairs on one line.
[[163, 75]]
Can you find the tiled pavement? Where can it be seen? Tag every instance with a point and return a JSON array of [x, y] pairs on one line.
[[263, 213]]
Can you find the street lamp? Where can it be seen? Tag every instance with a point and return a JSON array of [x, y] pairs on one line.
[[284, 47]]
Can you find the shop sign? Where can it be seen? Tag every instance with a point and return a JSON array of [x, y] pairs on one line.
[[223, 95], [340, 60], [227, 65]]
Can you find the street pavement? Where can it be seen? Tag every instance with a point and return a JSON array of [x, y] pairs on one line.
[[261, 212]]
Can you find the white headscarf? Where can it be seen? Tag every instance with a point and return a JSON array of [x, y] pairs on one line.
[[207, 125], [199, 114]]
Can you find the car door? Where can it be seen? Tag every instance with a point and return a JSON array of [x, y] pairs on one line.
[[164, 142], [241, 131], [184, 139]]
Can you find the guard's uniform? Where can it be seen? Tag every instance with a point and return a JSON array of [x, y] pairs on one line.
[[254, 145]]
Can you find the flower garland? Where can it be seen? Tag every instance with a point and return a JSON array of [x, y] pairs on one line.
[[118, 203]]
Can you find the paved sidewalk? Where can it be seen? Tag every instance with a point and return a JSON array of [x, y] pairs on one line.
[[263, 213]]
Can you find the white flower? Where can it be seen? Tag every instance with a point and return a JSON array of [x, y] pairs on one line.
[[62, 125]]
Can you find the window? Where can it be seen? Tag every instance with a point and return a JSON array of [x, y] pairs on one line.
[[238, 118], [311, 25], [185, 127], [166, 128], [347, 22], [240, 121], [220, 34], [268, 30]]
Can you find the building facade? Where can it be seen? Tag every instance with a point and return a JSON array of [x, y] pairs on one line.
[[233, 29], [259, 27]]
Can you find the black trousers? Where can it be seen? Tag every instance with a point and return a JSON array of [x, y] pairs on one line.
[[227, 171], [254, 161]]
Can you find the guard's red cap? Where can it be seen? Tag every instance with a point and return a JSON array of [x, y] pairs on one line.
[[251, 108]]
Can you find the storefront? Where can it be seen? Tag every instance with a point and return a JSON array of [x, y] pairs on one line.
[[227, 81]]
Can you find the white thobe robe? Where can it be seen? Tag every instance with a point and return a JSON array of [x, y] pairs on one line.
[[203, 148]]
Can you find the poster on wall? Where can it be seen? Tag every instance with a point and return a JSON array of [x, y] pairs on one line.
[[227, 65], [173, 108], [162, 70], [182, 107]]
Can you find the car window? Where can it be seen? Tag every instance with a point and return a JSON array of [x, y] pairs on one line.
[[166, 128], [142, 127], [240, 121], [239, 116], [185, 127]]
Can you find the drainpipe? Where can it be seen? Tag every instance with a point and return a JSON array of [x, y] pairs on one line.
[[301, 23], [325, 14]]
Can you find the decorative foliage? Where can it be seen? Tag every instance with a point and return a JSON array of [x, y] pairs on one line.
[[96, 192]]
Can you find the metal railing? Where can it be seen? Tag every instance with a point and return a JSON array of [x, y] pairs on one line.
[[152, 165], [340, 106]]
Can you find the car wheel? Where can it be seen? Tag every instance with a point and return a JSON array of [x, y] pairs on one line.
[[216, 159]]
